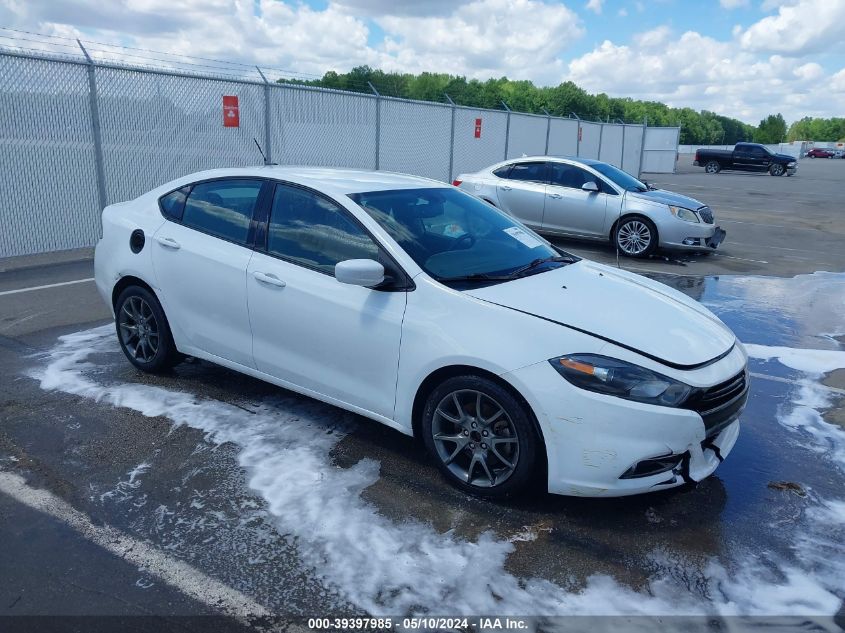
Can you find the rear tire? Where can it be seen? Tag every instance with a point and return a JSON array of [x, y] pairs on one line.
[[636, 236], [143, 332], [481, 436], [712, 167]]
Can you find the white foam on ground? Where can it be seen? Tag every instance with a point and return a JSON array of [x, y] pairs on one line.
[[389, 567], [810, 398], [811, 361]]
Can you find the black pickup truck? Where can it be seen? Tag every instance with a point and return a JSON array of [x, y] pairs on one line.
[[745, 157]]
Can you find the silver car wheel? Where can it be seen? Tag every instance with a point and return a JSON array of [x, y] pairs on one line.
[[139, 330], [633, 237], [475, 438]]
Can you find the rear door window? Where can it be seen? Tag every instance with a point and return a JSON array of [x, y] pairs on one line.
[[502, 172], [173, 204], [223, 208], [531, 172]]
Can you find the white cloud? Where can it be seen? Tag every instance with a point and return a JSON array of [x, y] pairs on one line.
[[622, 13], [520, 38], [733, 4], [594, 6], [799, 28], [720, 76]]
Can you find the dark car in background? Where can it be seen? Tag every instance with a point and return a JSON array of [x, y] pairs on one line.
[[745, 157]]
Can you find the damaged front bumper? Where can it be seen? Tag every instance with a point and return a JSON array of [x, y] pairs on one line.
[[599, 445]]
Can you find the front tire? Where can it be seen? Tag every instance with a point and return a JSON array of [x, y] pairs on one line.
[[712, 167], [777, 170], [481, 436], [636, 236], [143, 331]]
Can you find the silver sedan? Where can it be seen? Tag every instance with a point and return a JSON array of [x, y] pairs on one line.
[[577, 197]]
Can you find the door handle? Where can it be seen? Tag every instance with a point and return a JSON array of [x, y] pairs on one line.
[[267, 278], [506, 188], [555, 195], [168, 242]]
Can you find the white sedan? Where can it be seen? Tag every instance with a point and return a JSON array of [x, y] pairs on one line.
[[417, 305]]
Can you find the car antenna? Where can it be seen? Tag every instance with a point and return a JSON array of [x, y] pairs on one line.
[[261, 151]]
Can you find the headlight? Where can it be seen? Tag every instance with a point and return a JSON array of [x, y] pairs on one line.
[[792, 164], [686, 215], [618, 378]]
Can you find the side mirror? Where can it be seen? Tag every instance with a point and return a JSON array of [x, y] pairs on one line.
[[359, 272], [590, 186]]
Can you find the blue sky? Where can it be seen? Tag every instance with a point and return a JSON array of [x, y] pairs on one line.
[[742, 58]]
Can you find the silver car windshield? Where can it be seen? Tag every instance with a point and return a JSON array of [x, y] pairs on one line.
[[456, 237], [621, 178]]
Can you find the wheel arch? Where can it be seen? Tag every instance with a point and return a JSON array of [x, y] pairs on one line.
[[438, 376], [131, 280]]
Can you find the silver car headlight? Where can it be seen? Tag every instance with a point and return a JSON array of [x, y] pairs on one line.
[[792, 164], [687, 215], [622, 379]]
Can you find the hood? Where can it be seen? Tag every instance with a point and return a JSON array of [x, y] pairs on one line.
[[620, 307], [786, 157], [662, 196]]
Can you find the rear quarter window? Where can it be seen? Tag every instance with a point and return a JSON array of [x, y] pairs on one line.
[[172, 205]]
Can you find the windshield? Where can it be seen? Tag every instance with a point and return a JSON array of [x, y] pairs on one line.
[[621, 178], [454, 236]]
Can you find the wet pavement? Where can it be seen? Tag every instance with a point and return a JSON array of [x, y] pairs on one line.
[[309, 510]]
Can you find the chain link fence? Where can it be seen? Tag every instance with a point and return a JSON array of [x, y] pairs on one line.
[[78, 135]]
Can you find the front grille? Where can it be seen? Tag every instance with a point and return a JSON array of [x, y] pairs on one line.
[[720, 404], [706, 214]]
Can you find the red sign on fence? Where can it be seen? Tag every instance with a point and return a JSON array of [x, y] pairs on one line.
[[478, 128], [231, 113]]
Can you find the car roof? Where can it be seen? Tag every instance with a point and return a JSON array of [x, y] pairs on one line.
[[552, 157], [332, 180]]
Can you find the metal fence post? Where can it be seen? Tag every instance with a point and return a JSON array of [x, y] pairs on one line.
[[642, 145], [451, 139], [378, 122], [601, 135], [268, 149], [95, 129], [507, 129], [577, 134], [548, 129]]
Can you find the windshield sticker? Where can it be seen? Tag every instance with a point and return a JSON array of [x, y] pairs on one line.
[[525, 238], [453, 230]]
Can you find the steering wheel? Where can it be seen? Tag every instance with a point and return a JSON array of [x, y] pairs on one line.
[[466, 238]]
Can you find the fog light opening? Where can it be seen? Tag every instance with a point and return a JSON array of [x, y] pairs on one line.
[[692, 241], [652, 466]]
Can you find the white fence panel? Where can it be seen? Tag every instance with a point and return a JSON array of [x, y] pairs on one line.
[[612, 144], [327, 129], [472, 152], [563, 137], [633, 145], [590, 140], [660, 149], [527, 135], [47, 174], [415, 138], [158, 127]]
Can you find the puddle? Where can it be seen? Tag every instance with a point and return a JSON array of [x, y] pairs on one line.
[[378, 528]]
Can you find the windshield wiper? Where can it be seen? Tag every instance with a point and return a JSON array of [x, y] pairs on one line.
[[519, 272], [478, 277]]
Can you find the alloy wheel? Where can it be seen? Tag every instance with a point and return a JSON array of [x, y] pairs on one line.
[[634, 237], [139, 329], [475, 438]]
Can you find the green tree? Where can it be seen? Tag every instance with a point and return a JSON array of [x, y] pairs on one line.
[[772, 129]]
